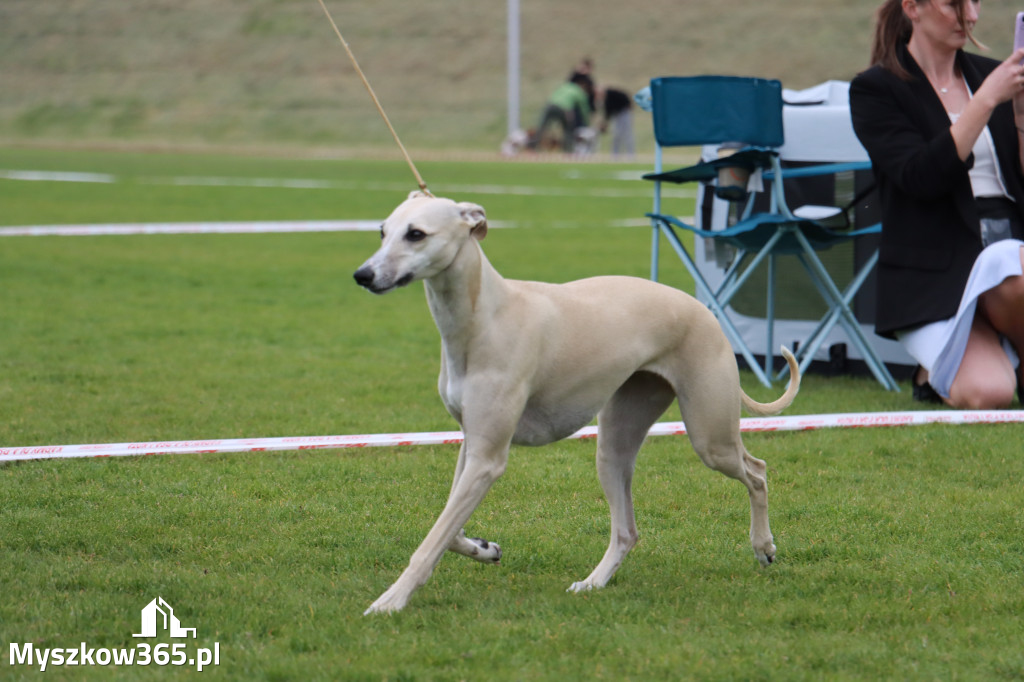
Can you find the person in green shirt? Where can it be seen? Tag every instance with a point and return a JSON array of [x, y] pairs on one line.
[[568, 107]]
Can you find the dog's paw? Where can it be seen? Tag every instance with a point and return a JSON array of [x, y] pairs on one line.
[[582, 586], [476, 548], [390, 602], [766, 556], [485, 552], [378, 608]]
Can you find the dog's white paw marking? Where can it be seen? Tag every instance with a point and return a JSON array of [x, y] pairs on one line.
[[766, 557], [581, 586], [389, 602], [377, 607], [486, 552]]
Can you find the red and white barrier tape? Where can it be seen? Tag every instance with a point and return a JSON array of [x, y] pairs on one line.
[[757, 424]]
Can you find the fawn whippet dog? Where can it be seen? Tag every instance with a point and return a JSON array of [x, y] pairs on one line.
[[530, 363]]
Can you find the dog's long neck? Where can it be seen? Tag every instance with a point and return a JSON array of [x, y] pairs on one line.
[[459, 296]]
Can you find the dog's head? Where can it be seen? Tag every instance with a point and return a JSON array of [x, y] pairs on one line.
[[419, 240]]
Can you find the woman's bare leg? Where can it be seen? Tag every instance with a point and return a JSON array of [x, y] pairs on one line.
[[986, 379]]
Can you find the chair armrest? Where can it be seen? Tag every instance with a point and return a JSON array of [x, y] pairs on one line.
[[749, 158], [821, 169]]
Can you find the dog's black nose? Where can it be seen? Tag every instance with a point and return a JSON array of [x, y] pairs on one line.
[[364, 277]]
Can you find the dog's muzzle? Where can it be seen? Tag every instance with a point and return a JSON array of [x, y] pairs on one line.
[[367, 278], [364, 277]]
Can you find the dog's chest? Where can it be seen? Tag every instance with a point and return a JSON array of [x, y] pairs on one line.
[[540, 426], [450, 387], [537, 424]]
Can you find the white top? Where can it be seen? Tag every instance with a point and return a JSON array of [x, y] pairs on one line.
[[986, 178]]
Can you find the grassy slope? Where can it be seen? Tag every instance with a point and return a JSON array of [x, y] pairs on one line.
[[270, 72]]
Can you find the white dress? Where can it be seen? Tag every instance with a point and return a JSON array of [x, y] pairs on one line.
[[939, 346]]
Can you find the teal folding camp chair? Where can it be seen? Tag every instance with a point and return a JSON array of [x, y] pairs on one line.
[[745, 114]]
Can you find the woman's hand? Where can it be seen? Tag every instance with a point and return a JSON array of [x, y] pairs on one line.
[[1018, 96], [1006, 82]]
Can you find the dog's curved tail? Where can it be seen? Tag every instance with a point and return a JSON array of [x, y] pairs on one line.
[[764, 409]]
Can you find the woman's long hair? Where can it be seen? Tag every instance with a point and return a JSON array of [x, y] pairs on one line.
[[893, 29]]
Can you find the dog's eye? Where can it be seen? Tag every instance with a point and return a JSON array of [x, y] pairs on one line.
[[414, 235], [382, 233]]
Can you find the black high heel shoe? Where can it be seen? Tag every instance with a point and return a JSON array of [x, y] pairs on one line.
[[924, 393]]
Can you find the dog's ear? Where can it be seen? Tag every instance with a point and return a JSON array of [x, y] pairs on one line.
[[475, 217]]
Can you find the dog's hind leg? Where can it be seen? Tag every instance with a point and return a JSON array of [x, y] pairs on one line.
[[712, 422], [622, 426]]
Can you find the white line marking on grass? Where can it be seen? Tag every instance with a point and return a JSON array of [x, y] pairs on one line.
[[277, 183], [190, 228], [301, 183], [353, 185], [637, 190], [51, 176], [265, 227]]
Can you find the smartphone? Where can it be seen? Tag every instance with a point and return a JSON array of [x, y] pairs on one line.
[[1018, 32]]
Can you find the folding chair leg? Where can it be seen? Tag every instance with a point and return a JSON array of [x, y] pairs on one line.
[[735, 279], [655, 247], [805, 355], [836, 302], [716, 308], [769, 350]]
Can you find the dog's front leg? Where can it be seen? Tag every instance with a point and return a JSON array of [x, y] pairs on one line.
[[479, 472], [477, 549]]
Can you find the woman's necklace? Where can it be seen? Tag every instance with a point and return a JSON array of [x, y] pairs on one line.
[[950, 84]]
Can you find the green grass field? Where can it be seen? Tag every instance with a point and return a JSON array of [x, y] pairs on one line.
[[900, 550]]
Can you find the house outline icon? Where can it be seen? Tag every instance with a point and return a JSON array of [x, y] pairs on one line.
[[170, 621]]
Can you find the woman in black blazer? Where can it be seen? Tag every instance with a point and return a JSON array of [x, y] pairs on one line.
[[944, 136]]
